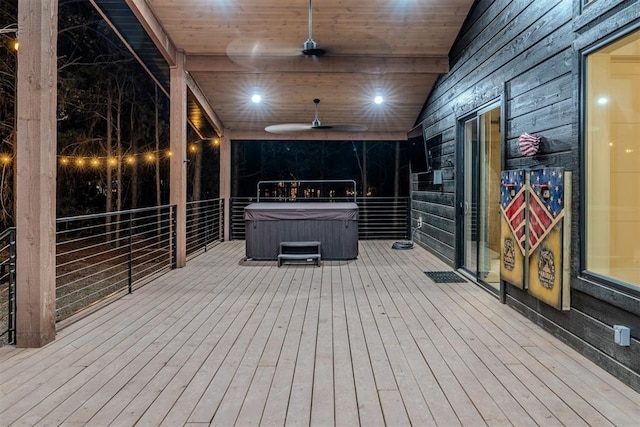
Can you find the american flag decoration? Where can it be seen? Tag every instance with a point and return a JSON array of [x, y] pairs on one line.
[[546, 203], [513, 204], [529, 144]]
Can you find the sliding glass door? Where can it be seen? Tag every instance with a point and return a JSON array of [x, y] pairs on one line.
[[479, 214]]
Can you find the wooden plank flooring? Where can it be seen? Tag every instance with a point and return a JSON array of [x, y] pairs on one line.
[[367, 342]]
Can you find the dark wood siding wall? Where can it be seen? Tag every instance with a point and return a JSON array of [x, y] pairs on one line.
[[527, 56]]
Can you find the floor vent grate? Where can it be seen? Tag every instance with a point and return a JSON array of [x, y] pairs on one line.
[[444, 277]]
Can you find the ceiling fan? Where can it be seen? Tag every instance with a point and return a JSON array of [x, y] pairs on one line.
[[244, 49], [310, 47], [314, 125]]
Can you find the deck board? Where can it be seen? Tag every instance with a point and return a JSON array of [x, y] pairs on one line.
[[369, 342]]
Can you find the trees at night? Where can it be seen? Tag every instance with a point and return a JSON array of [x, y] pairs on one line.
[[255, 161], [112, 120]]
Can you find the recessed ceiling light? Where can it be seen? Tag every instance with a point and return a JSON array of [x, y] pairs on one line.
[[603, 100], [378, 99], [256, 98]]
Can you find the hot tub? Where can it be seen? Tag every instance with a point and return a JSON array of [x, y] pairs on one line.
[[334, 225]]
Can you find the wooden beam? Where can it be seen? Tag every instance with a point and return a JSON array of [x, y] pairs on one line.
[[203, 101], [178, 163], [36, 172], [326, 64], [225, 179], [415, 131], [319, 135], [152, 26]]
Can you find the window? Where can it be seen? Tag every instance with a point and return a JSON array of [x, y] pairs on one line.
[[612, 153]]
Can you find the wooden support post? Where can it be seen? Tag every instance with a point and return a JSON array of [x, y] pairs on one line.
[[36, 172], [178, 165], [225, 180]]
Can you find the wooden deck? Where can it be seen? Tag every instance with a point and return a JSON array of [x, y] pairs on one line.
[[368, 342]]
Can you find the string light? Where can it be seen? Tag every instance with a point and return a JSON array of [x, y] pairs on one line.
[[97, 161], [5, 158]]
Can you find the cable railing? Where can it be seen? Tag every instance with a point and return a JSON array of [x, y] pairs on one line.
[[379, 218], [383, 218], [98, 256], [205, 224], [8, 286], [236, 215]]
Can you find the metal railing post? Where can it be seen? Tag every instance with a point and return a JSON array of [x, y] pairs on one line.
[[221, 215], [130, 252], [408, 205], [206, 230], [174, 236], [231, 237], [12, 288]]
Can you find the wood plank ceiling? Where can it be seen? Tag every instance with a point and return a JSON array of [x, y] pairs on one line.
[[392, 48]]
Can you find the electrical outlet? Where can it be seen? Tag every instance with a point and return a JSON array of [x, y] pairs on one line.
[[622, 335]]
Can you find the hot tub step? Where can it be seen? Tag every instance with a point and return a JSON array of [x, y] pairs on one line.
[[299, 251]]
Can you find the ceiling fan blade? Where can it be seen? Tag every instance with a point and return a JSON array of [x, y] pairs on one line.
[[255, 47], [301, 127], [346, 127], [288, 127]]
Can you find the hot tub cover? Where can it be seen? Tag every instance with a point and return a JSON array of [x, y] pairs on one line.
[[300, 210]]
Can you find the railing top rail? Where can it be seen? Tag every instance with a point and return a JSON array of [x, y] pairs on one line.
[[195, 202], [314, 181], [104, 214], [251, 198], [6, 233]]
